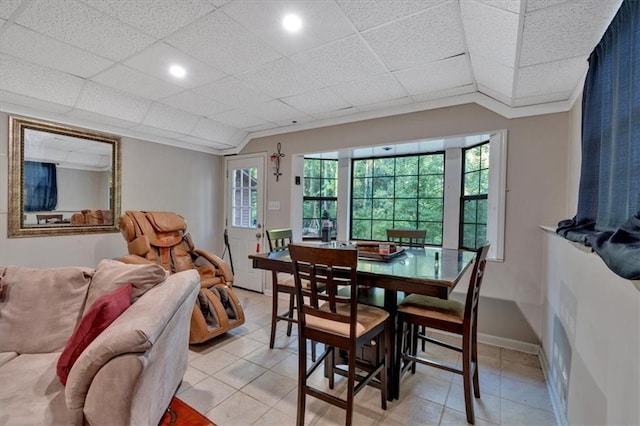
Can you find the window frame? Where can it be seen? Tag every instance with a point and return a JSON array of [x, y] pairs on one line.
[[320, 199], [417, 198], [463, 197]]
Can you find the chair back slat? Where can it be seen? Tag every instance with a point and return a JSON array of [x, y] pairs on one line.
[[279, 239], [407, 237], [333, 268], [475, 282]]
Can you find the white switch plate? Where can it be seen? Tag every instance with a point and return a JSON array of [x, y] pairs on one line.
[[273, 205]]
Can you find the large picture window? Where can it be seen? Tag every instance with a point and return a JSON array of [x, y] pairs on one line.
[[320, 196], [475, 191], [405, 192]]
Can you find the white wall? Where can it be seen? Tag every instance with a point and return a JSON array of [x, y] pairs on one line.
[[536, 181], [591, 320], [591, 336], [154, 177], [82, 189]]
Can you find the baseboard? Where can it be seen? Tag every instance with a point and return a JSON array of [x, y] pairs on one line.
[[509, 343], [558, 411]]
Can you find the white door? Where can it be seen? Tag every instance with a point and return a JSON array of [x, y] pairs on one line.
[[244, 217]]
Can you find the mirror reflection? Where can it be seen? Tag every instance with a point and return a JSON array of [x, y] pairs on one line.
[[63, 180]]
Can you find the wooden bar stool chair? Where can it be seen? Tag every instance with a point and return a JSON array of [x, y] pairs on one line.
[[337, 321], [408, 237], [279, 240], [450, 316]]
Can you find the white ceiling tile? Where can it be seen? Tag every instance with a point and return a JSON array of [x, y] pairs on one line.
[[194, 103], [510, 5], [205, 142], [153, 130], [370, 90], [7, 7], [370, 13], [113, 103], [239, 118], [322, 22], [261, 127], [435, 76], [25, 78], [317, 101], [169, 118], [542, 99], [551, 77], [79, 25], [34, 47], [134, 82], [232, 92], [447, 93], [507, 100], [279, 79], [425, 37], [156, 59], [379, 106], [9, 101], [157, 18], [223, 43], [495, 41], [337, 113], [212, 129], [497, 77], [100, 118], [579, 25], [541, 4], [275, 111], [344, 60]]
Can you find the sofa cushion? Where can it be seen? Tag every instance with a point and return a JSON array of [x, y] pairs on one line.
[[39, 308], [99, 316], [111, 274], [5, 357], [31, 394]]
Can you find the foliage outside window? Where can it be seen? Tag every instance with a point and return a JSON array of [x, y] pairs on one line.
[[475, 190], [245, 198], [404, 192], [320, 195]]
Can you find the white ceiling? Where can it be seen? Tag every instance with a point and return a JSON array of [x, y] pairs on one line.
[[103, 63]]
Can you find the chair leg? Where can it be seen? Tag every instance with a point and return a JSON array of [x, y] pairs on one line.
[[384, 352], [466, 380], [474, 354], [399, 349], [351, 380], [328, 362], [302, 380], [413, 334], [291, 308], [274, 316], [423, 331]]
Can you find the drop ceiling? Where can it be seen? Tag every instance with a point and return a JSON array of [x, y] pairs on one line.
[[103, 64]]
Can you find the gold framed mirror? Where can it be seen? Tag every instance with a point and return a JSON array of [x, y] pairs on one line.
[[62, 180]]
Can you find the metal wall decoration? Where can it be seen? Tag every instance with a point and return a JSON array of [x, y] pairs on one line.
[[275, 160]]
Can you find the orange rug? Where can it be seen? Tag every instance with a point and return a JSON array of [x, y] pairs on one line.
[[181, 414]]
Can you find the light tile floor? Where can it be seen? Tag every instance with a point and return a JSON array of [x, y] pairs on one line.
[[237, 380]]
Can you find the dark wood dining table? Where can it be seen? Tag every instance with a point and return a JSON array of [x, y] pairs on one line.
[[415, 270]]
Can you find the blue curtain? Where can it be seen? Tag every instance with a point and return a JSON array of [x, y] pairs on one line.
[[40, 186], [608, 215]]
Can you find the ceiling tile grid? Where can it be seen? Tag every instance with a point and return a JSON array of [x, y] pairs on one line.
[[47, 52], [106, 61]]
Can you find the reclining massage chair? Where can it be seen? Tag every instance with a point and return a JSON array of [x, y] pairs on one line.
[[160, 237]]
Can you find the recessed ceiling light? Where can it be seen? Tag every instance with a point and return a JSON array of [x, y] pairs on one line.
[[177, 71], [292, 23]]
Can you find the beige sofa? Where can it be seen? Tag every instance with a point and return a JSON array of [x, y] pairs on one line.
[[126, 376]]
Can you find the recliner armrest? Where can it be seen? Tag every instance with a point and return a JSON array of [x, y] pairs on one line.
[[225, 269]]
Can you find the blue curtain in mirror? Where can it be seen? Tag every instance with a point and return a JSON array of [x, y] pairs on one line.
[[608, 215], [40, 186]]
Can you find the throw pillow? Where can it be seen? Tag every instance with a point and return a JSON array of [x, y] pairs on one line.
[[111, 274], [100, 315]]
